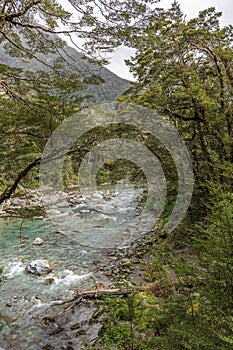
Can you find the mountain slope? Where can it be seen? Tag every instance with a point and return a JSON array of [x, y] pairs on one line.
[[112, 87]]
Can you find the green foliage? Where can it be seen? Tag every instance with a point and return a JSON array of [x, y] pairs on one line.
[[216, 251], [129, 322], [173, 309], [217, 242], [69, 177], [28, 123], [184, 71], [118, 170]]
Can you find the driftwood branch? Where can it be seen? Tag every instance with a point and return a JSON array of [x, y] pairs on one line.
[[93, 294], [82, 296]]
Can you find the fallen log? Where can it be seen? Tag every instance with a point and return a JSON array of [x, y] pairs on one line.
[[92, 294], [97, 292], [81, 296]]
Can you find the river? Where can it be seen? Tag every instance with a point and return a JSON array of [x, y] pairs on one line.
[[74, 239]]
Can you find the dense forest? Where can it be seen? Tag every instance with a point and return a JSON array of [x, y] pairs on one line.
[[183, 71]]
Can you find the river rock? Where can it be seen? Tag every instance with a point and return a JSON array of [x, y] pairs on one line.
[[38, 241], [38, 267]]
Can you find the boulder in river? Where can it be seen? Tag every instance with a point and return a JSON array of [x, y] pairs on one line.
[[38, 267], [38, 241]]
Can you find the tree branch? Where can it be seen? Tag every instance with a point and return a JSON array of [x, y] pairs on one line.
[[10, 190], [47, 30], [27, 7], [178, 116]]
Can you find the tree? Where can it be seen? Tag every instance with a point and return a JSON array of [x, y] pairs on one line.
[[184, 71]]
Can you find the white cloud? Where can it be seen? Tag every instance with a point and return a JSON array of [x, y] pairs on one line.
[[191, 9]]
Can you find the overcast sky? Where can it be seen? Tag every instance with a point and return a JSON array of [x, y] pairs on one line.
[[191, 8]]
